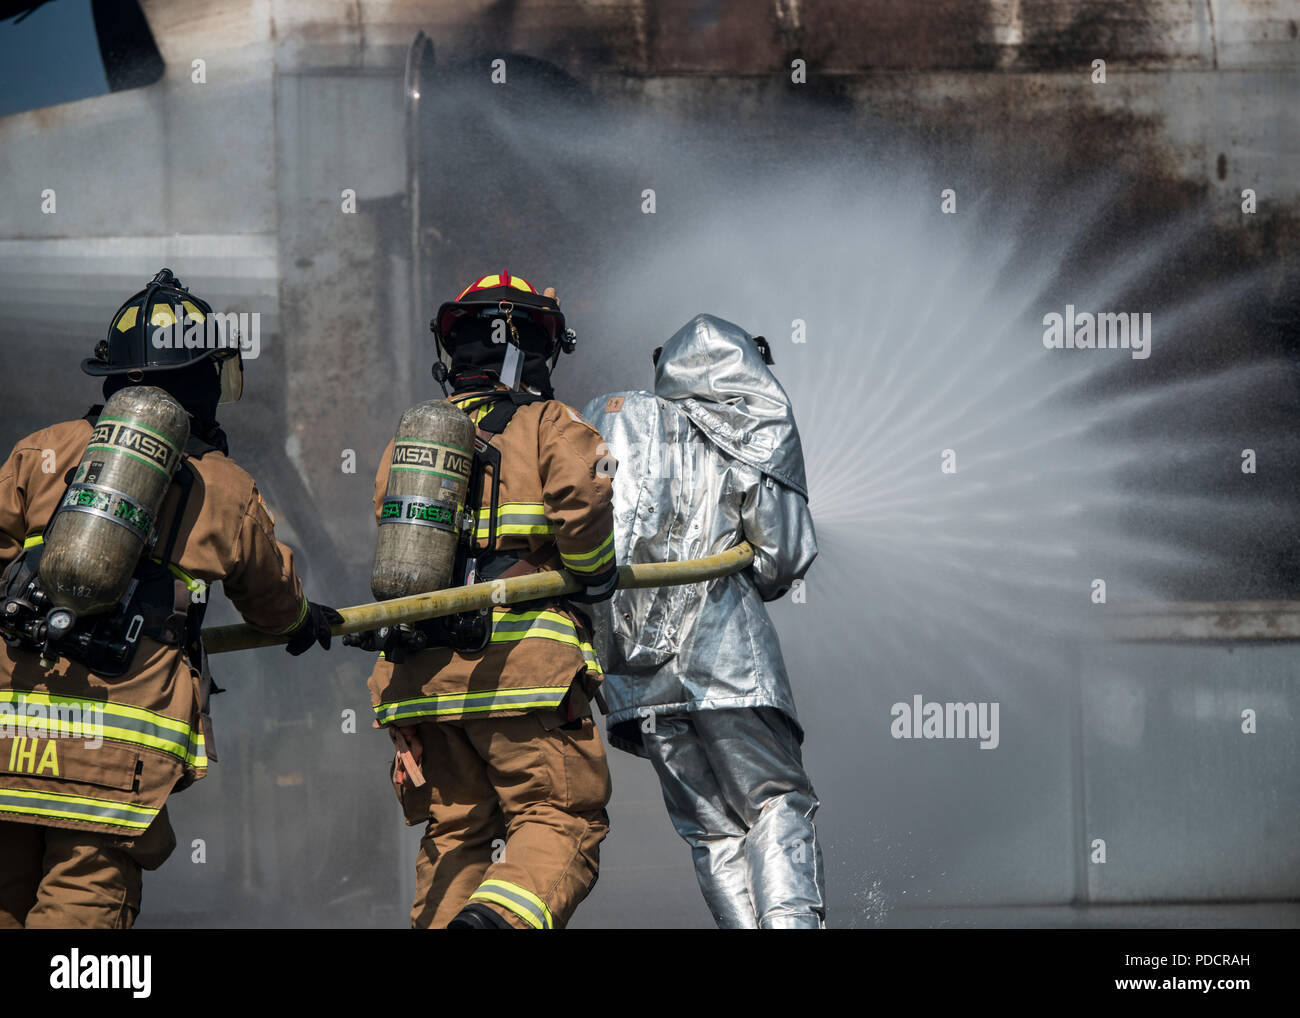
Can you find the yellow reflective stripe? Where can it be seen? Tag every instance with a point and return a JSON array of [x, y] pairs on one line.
[[480, 708], [128, 318], [302, 614], [516, 530], [441, 704], [590, 570], [598, 552], [542, 624], [164, 315], [518, 519], [500, 899], [585, 564], [522, 902], [196, 757], [119, 709], [505, 630], [505, 508], [33, 541], [190, 582], [186, 743], [483, 694], [62, 806]]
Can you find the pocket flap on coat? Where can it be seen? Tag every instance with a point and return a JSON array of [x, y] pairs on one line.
[[106, 765]]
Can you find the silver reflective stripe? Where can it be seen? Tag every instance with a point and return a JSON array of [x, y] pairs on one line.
[[537, 521], [521, 905], [593, 561], [469, 703], [539, 627], [75, 807], [522, 520], [529, 625], [186, 743], [116, 500]]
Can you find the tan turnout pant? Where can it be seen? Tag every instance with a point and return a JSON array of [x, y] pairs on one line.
[[53, 878], [515, 812]]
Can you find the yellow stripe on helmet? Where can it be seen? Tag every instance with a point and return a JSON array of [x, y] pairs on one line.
[[128, 318]]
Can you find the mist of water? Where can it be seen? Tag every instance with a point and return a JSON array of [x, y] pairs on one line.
[[923, 338]]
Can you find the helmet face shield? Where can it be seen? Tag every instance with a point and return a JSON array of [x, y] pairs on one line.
[[230, 367]]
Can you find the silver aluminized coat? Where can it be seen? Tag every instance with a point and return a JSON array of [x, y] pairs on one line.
[[710, 459]]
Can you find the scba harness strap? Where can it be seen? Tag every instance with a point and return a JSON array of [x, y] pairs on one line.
[[503, 406]]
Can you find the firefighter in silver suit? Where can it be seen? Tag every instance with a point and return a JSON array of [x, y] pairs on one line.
[[695, 679]]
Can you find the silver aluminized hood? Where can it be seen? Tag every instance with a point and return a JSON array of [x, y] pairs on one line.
[[714, 372]]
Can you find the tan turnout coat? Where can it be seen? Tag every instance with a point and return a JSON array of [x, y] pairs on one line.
[[555, 503], [151, 724]]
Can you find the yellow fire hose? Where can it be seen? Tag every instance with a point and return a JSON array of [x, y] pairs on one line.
[[417, 607]]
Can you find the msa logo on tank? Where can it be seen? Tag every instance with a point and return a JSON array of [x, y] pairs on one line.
[[428, 479], [93, 542], [75, 971], [451, 465], [114, 433], [85, 493], [409, 454], [415, 510]]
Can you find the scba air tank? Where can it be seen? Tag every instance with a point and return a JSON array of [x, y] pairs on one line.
[[428, 478], [107, 515]]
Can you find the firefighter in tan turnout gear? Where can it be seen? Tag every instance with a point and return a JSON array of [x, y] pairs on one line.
[[494, 706], [103, 684]]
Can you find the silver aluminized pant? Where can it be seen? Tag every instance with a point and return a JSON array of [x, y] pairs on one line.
[[735, 788]]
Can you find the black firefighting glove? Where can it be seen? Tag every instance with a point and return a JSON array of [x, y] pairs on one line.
[[315, 628], [367, 639], [596, 588]]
